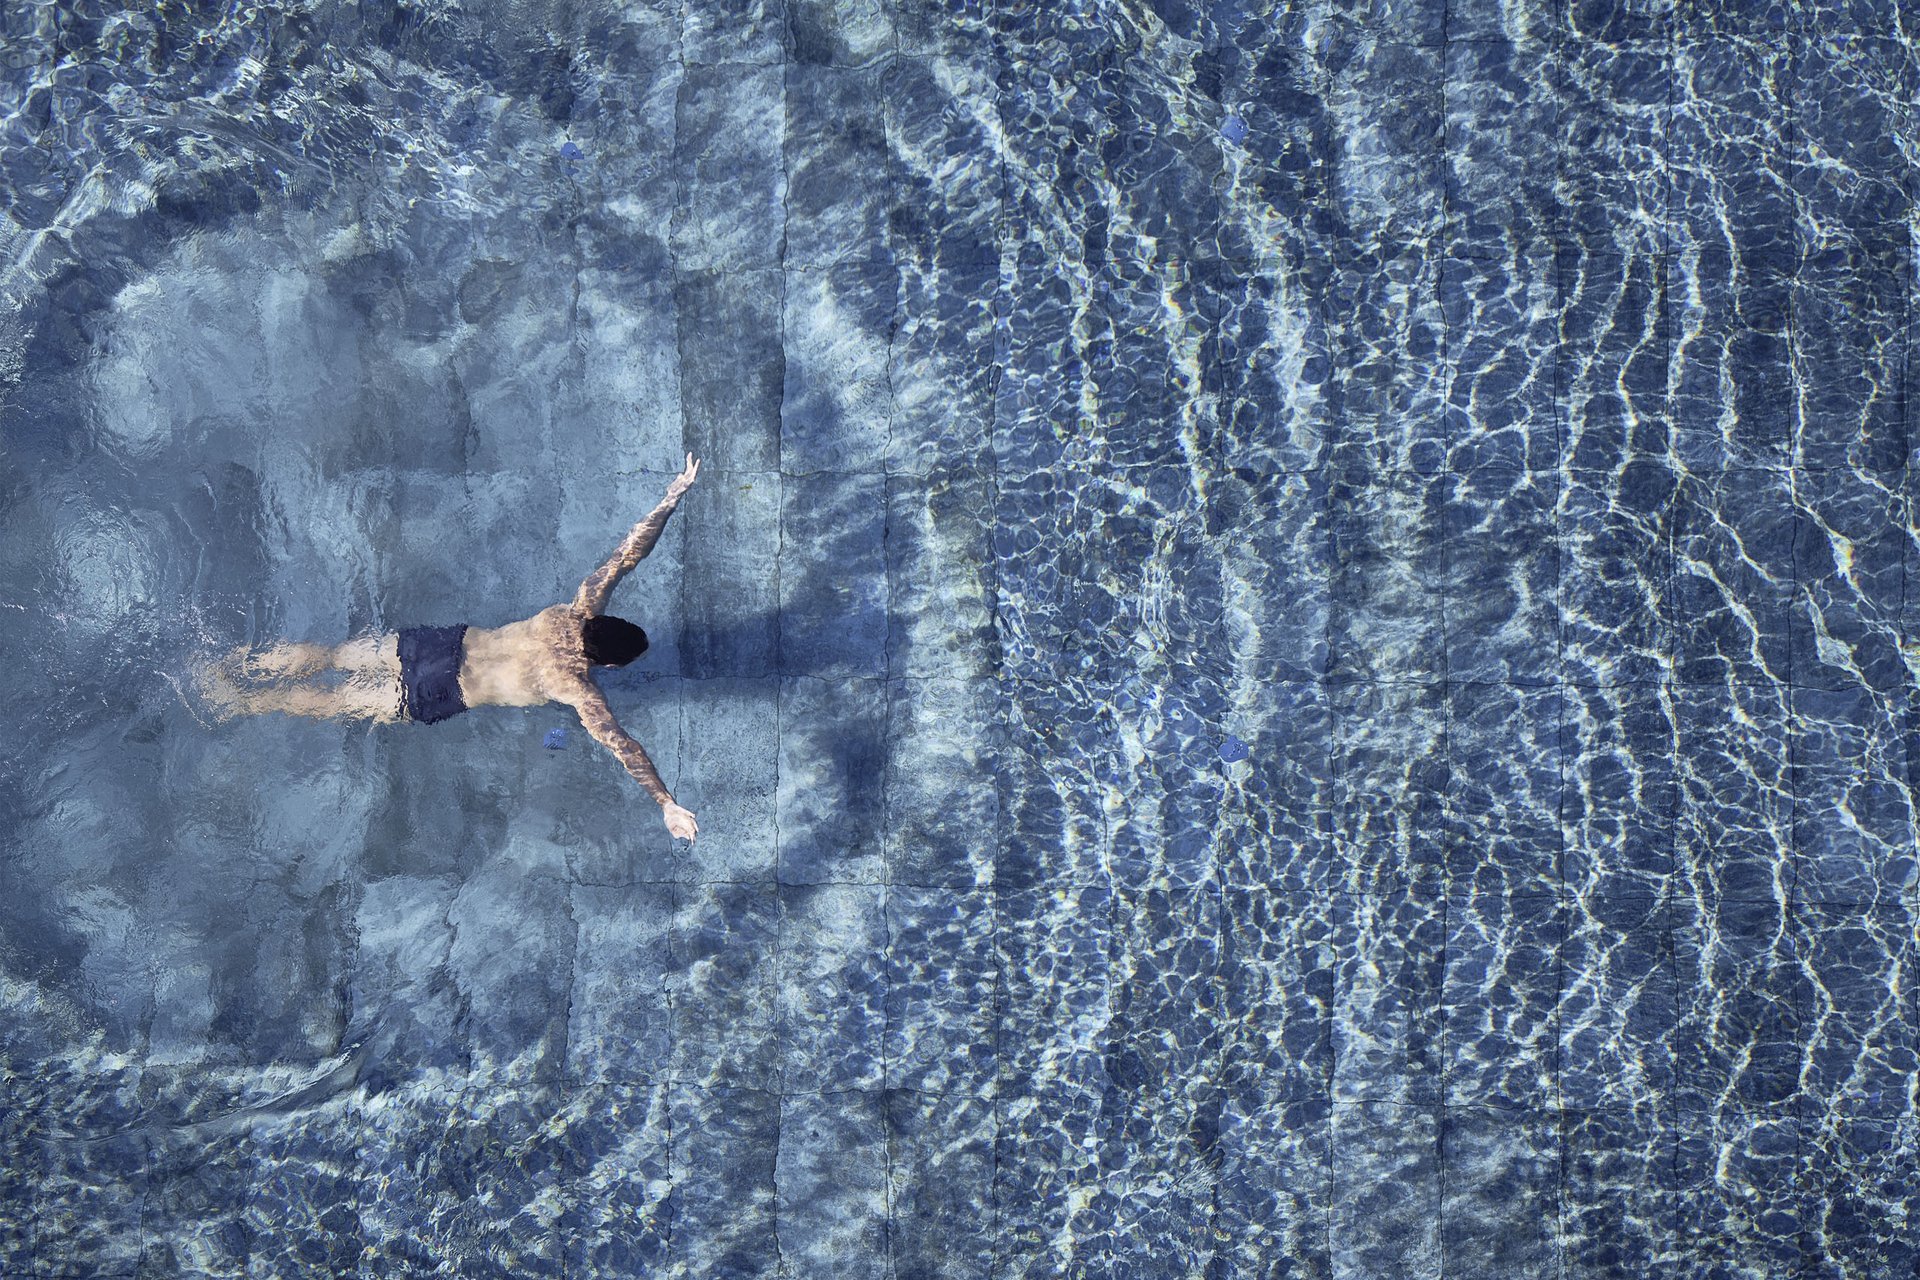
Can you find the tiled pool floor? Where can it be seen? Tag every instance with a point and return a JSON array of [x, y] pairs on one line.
[[1294, 647]]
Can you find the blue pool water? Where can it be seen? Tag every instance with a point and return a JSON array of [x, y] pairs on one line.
[[1294, 648]]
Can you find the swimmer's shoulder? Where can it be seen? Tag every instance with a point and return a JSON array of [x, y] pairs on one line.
[[560, 653]]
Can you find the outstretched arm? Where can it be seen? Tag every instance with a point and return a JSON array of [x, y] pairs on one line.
[[598, 587], [598, 720]]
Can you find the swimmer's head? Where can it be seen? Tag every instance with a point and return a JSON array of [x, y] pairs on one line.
[[611, 642]]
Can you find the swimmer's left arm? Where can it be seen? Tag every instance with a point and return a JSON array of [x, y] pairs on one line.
[[598, 588]]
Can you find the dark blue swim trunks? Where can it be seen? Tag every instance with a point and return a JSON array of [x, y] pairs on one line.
[[430, 672]]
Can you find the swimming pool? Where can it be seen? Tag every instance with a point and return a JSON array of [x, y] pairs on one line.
[[1294, 649]]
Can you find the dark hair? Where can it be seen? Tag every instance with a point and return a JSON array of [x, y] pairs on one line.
[[611, 642]]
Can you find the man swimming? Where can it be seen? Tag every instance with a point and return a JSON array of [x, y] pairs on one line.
[[427, 674]]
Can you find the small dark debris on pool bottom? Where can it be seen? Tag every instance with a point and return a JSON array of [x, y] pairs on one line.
[[1232, 750], [556, 740], [572, 151], [1233, 129]]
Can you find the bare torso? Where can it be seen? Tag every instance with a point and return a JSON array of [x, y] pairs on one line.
[[526, 663]]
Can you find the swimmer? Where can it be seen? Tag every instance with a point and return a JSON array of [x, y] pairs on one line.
[[427, 674]]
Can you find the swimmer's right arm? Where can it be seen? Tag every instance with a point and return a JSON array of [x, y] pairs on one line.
[[598, 721], [598, 587]]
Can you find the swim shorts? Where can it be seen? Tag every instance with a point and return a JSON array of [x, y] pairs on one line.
[[430, 673]]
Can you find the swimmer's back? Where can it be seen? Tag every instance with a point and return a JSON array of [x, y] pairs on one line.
[[525, 663]]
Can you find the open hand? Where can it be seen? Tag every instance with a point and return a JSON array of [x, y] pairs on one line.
[[680, 821], [683, 481]]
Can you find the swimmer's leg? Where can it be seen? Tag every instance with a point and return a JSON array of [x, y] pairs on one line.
[[377, 655], [369, 699], [289, 660], [298, 661], [293, 660]]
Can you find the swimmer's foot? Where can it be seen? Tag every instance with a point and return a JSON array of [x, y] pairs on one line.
[[216, 687], [287, 661]]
